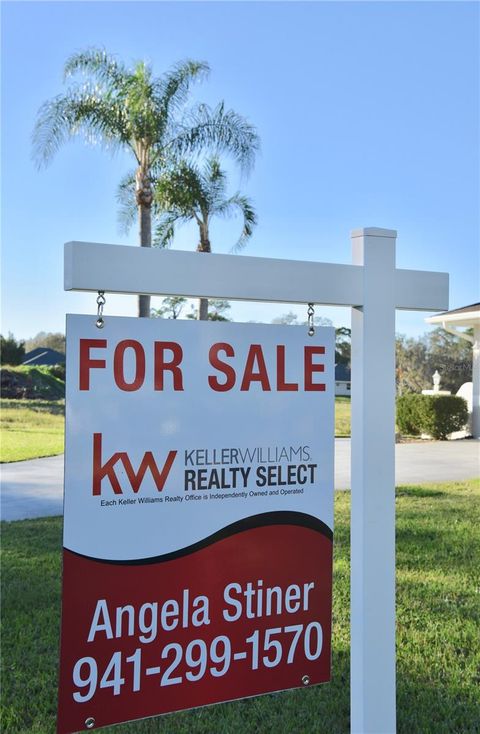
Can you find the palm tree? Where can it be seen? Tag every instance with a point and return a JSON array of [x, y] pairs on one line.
[[189, 193], [130, 109]]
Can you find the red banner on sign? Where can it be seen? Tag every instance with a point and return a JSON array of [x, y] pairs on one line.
[[254, 617]]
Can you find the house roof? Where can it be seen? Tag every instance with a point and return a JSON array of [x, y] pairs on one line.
[[465, 316], [465, 309], [342, 373], [43, 356]]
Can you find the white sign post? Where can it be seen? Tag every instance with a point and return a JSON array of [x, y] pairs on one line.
[[374, 288]]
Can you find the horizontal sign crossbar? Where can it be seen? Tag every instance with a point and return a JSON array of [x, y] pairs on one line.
[[131, 270]]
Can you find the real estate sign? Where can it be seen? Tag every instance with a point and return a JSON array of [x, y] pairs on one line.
[[198, 515]]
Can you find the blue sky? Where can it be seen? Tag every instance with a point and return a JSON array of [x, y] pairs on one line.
[[368, 115]]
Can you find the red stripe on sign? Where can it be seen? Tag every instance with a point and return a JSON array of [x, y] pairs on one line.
[[246, 615]]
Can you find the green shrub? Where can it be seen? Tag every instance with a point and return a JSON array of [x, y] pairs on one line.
[[11, 351], [436, 415], [408, 414], [56, 370]]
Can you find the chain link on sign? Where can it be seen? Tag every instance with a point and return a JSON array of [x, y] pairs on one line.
[[100, 323], [310, 315]]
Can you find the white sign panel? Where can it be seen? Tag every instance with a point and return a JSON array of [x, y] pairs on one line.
[[198, 515]]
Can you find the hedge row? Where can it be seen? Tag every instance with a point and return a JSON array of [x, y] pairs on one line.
[[435, 415], [30, 383]]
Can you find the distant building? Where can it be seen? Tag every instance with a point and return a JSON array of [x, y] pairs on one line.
[[43, 356], [468, 316], [342, 380]]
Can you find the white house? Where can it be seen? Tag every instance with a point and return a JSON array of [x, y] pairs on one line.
[[468, 316], [342, 380]]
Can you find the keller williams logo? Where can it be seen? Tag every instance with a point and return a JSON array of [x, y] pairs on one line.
[[106, 469]]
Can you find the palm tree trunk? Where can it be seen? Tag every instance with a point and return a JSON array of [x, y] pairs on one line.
[[202, 309], [144, 203], [203, 246]]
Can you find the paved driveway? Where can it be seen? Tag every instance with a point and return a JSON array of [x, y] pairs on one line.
[[32, 488], [35, 488], [419, 462]]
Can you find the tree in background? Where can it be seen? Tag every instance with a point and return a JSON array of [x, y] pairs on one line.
[[192, 193], [218, 310], [451, 356], [342, 334], [288, 319], [11, 351], [411, 373], [417, 360], [47, 339], [291, 319], [130, 109], [173, 306], [343, 346]]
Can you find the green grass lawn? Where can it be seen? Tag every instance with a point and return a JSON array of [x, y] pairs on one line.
[[438, 613], [30, 428], [342, 417]]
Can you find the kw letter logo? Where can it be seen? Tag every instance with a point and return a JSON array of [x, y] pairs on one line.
[[107, 469]]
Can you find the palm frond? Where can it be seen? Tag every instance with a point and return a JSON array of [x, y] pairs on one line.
[[165, 229], [161, 164], [80, 112], [141, 109], [186, 193], [171, 90], [212, 170], [127, 212], [245, 207], [99, 63], [179, 189], [217, 130]]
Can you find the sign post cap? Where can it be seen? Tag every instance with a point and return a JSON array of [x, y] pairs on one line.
[[373, 232]]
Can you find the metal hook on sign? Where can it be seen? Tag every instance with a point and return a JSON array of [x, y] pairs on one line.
[[310, 315], [100, 323]]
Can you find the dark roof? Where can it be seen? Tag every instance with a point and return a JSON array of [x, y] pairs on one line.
[[465, 309], [342, 373], [43, 356]]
